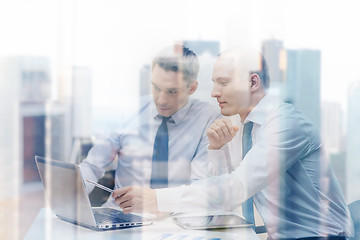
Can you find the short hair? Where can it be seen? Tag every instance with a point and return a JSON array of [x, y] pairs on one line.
[[254, 62], [178, 58]]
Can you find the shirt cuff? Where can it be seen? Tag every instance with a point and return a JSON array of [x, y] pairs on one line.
[[218, 162], [168, 199]]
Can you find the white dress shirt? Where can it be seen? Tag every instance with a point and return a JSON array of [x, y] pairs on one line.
[[133, 145], [286, 171]]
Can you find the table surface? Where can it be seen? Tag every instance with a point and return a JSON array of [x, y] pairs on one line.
[[48, 226]]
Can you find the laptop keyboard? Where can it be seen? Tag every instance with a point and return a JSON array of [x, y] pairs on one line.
[[106, 215]]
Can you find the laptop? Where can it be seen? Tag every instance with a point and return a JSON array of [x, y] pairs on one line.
[[65, 190]]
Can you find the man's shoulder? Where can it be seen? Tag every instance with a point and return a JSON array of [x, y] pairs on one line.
[[284, 113], [274, 107], [287, 118], [287, 111]]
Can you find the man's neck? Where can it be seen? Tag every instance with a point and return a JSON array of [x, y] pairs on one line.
[[255, 99]]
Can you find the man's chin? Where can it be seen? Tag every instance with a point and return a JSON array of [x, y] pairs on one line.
[[227, 112], [164, 113]]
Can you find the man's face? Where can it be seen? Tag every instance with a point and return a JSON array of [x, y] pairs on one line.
[[231, 87], [170, 91]]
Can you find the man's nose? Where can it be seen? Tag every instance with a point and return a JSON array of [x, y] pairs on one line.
[[215, 92], [162, 98]]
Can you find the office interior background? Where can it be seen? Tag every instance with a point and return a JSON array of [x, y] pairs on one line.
[[72, 70]]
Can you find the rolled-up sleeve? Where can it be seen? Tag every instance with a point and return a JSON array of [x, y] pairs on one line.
[[99, 157]]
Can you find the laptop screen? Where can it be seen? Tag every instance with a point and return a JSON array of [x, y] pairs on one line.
[[65, 190]]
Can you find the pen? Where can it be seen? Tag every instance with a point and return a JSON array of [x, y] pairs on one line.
[[100, 186]]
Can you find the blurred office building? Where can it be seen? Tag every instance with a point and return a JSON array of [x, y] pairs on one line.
[[42, 121], [32, 123], [303, 72], [332, 126], [75, 93], [275, 55], [28, 84], [332, 133], [24, 81], [44, 134], [353, 146], [10, 143], [36, 124], [273, 51]]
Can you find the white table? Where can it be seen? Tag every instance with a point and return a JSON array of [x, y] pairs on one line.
[[48, 226]]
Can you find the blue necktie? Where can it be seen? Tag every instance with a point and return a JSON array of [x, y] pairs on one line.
[[247, 206], [159, 171]]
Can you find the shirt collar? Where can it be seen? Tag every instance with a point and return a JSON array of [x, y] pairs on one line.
[[177, 117], [260, 111]]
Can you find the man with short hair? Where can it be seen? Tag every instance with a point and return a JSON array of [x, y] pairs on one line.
[[165, 145], [282, 166]]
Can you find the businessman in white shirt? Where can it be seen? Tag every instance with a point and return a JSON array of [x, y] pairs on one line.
[[165, 144], [284, 171]]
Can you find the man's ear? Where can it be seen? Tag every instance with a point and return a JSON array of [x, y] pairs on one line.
[[193, 87], [255, 82]]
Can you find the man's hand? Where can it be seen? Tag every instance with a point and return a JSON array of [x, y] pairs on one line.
[[136, 199], [220, 133]]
